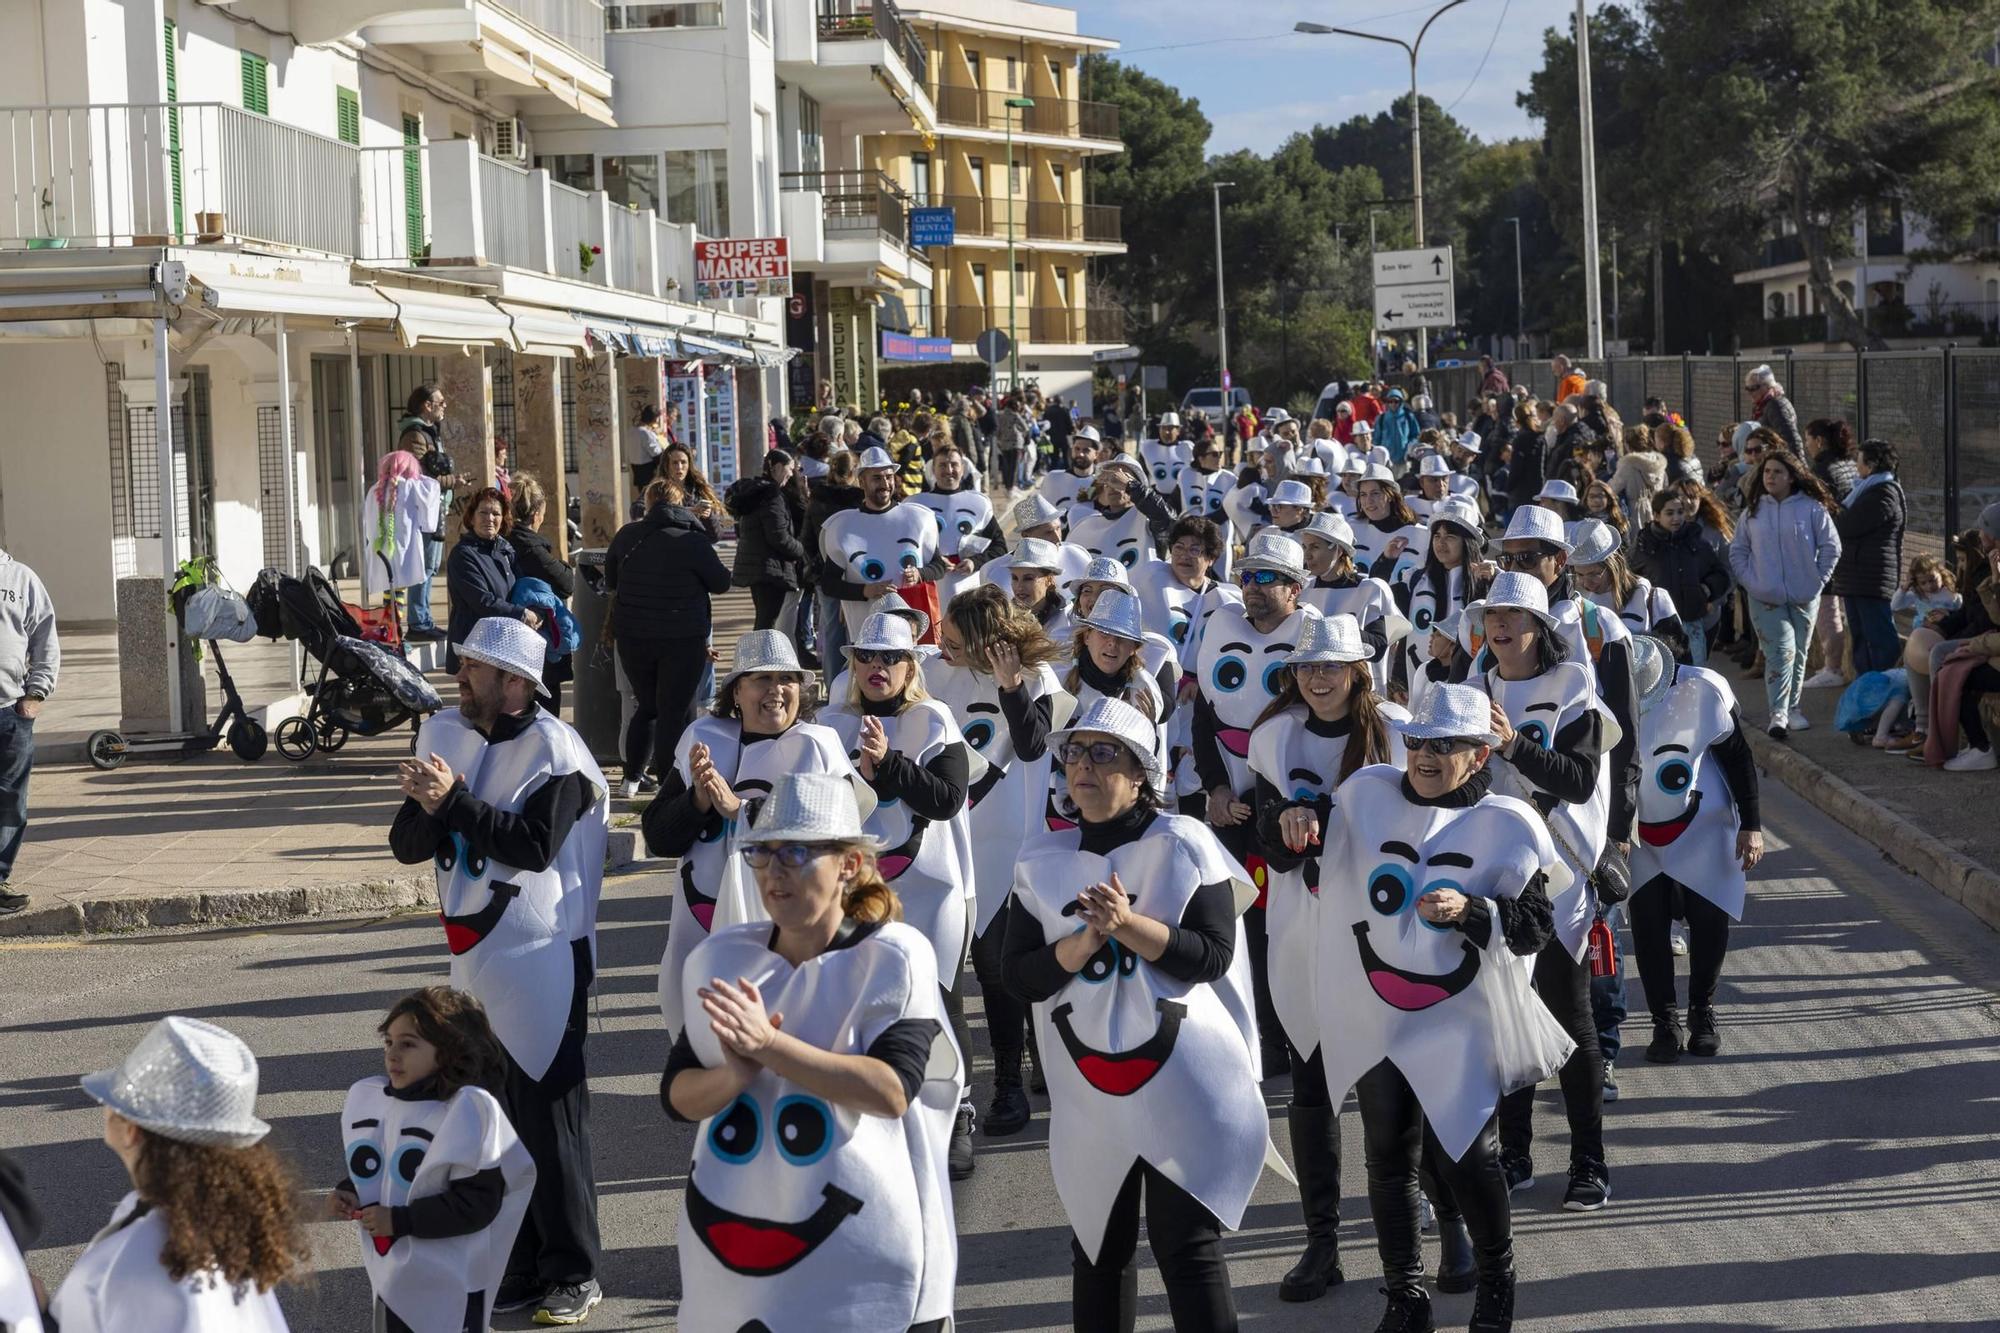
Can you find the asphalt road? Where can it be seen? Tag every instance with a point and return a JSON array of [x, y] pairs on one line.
[[1838, 1167]]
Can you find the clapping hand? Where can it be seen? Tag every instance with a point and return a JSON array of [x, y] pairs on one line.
[[874, 746], [1106, 907], [427, 781], [736, 1016], [711, 792]]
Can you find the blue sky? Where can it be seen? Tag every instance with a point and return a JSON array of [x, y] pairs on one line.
[[1258, 82]]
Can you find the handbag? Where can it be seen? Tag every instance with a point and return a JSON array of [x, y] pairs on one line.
[[1610, 879]]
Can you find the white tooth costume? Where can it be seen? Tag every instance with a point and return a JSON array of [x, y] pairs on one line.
[[1539, 708], [1462, 1023], [1125, 539], [1367, 601], [1236, 670], [961, 516], [1688, 822], [801, 1216], [398, 1151], [1165, 463], [715, 886], [1303, 765], [1173, 610], [1010, 792], [1202, 494], [119, 1274], [1246, 506], [20, 1311], [928, 863], [877, 548], [1064, 488], [1645, 608], [1370, 542], [511, 931], [1140, 1064]]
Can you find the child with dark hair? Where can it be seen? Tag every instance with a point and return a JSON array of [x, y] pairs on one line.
[[437, 1180]]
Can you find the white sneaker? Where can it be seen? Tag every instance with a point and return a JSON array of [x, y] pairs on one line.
[[1970, 760], [1797, 721], [629, 788], [1826, 678], [1677, 940]]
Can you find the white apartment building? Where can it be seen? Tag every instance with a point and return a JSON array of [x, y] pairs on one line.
[[281, 213]]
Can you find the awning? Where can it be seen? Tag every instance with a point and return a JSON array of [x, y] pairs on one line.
[[540, 332], [56, 289], [441, 319], [651, 340], [768, 356], [234, 294], [696, 347], [893, 314]]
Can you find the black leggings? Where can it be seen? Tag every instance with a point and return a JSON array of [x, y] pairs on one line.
[[1564, 985], [1651, 912], [1187, 1244], [769, 599], [1397, 1141], [665, 679], [1006, 1015]]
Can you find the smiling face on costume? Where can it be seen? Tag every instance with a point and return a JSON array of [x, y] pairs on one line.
[[1108, 652], [1031, 585], [767, 701], [1433, 775], [1107, 791], [883, 681], [1373, 497], [407, 1057]]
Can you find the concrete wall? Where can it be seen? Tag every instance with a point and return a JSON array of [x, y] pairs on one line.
[[55, 473]]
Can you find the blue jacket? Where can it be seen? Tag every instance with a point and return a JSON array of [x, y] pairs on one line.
[[1786, 551], [1396, 430], [559, 627]]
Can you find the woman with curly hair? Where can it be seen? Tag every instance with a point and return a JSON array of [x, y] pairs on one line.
[[210, 1227]]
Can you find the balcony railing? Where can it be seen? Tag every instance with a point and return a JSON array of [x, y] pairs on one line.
[[577, 24], [1034, 220], [857, 202], [1059, 117], [841, 20], [173, 174], [1038, 324]]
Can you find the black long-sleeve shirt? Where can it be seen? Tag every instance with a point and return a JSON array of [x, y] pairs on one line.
[[1527, 920], [1029, 721], [1199, 947], [1739, 768], [933, 790], [528, 838], [1564, 773]]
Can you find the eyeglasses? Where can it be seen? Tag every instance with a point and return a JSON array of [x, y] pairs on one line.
[[880, 656], [790, 855], [1439, 745], [1263, 578], [1187, 550], [1102, 753], [1519, 560]]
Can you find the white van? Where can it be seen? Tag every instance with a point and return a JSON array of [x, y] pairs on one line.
[[1209, 401]]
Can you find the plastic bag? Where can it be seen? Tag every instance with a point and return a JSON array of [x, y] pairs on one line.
[[1863, 701], [1528, 1043], [736, 897], [217, 613]]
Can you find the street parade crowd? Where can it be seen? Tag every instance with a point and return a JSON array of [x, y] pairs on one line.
[[1355, 758]]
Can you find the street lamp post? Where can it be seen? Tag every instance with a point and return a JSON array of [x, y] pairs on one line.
[[1416, 124], [1013, 336], [1593, 293], [1520, 291], [1221, 307]]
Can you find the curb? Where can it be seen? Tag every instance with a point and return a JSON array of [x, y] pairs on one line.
[[1954, 874], [101, 916]]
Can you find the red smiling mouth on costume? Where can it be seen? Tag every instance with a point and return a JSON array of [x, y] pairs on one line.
[[1667, 832], [1413, 991], [462, 933], [1122, 1073], [1235, 740], [760, 1247]]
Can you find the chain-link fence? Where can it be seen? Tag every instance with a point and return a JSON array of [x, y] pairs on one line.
[[1940, 407]]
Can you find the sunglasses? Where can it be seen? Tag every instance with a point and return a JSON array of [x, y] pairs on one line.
[[790, 855], [1519, 560], [1263, 578], [880, 656], [1438, 745], [1102, 753]]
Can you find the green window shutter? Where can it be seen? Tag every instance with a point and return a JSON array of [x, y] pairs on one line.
[[413, 186], [174, 131], [256, 83], [347, 115]]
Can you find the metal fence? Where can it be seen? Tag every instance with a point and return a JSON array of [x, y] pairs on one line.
[[1940, 407]]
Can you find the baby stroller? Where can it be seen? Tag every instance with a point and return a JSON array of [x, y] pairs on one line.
[[364, 687]]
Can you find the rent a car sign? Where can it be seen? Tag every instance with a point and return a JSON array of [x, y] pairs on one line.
[[742, 266]]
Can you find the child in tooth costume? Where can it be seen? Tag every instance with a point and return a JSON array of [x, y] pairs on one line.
[[437, 1181], [1432, 905], [1340, 587], [1123, 934], [1389, 540], [1325, 724], [819, 1066], [1700, 833], [725, 766], [1444, 582]]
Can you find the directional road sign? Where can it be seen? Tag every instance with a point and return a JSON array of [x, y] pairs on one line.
[[1413, 288]]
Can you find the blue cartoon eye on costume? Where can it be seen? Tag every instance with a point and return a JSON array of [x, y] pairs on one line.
[[1129, 556], [1675, 776], [804, 1129], [1537, 734], [454, 853], [1229, 674], [1272, 685], [978, 734], [1177, 626], [909, 560], [870, 569], [1423, 617], [736, 1134], [1113, 960], [965, 527], [1390, 889], [364, 1160], [408, 1162]]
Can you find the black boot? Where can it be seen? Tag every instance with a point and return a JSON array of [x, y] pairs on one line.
[[1665, 1047], [1493, 1307], [1010, 1111], [1408, 1312], [1316, 1158], [1458, 1270], [958, 1158]]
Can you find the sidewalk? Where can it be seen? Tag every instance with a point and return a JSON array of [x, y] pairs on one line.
[[212, 840], [1937, 825]]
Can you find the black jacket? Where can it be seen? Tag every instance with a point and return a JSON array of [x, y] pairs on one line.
[[1524, 470], [767, 549], [1685, 564], [1871, 542], [478, 575], [664, 569], [827, 500], [535, 558]]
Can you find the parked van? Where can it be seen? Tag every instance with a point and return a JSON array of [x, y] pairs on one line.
[[1209, 401]]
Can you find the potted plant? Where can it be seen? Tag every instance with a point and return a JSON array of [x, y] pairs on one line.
[[586, 256]]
